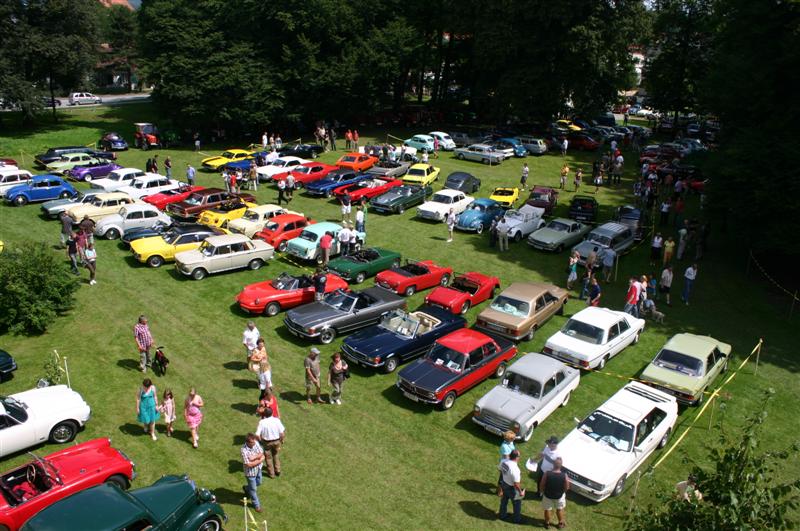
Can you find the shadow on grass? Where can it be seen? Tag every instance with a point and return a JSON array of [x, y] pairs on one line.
[[477, 486], [129, 364], [132, 429], [466, 424], [237, 311], [293, 397], [248, 409], [245, 384], [234, 466], [284, 334], [235, 365], [229, 496], [478, 510], [238, 440], [395, 396]]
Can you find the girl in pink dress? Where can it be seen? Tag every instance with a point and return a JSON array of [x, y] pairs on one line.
[[193, 414], [168, 409]]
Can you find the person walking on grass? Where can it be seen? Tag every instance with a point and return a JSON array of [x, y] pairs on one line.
[[572, 269], [669, 250], [272, 433], [512, 490], [578, 179], [144, 342], [167, 407], [656, 248], [595, 292], [253, 460], [523, 180], [689, 277], [564, 145], [168, 167], [147, 407], [259, 363], [282, 192], [312, 375], [193, 414], [86, 226], [346, 204], [502, 234], [190, 174], [344, 240], [564, 174], [609, 257], [268, 400], [554, 486], [337, 373], [72, 252], [66, 227], [90, 261], [451, 224], [506, 447], [250, 338], [325, 244], [546, 460], [632, 298]]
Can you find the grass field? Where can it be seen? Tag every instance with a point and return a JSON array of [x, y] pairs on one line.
[[379, 460]]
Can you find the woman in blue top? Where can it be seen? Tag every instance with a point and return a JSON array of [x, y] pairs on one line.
[[146, 407], [506, 448]]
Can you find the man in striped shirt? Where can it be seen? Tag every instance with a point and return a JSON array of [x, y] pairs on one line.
[[144, 341], [253, 459]]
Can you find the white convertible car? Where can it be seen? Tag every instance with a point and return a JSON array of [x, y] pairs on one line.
[[438, 208], [49, 414], [277, 167]]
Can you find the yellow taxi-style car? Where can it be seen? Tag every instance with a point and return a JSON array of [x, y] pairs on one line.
[[422, 174], [505, 196], [567, 124], [221, 215], [156, 250], [229, 155]]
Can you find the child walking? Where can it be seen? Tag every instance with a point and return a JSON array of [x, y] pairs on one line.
[[168, 409]]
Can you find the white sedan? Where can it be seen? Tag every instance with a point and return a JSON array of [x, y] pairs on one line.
[[117, 179], [32, 417], [133, 216], [150, 184], [439, 206], [593, 336], [277, 167]]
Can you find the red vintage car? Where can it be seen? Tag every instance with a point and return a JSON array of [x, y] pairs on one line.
[[29, 488], [582, 141], [282, 228], [161, 200], [8, 162], [356, 161], [367, 189], [466, 291], [282, 293], [308, 172], [543, 197], [414, 276], [455, 363]]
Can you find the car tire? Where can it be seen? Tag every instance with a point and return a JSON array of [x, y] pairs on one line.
[[566, 400], [390, 365], [155, 261], [460, 156], [319, 258], [199, 274], [64, 195], [724, 368], [210, 524], [63, 432], [529, 433], [401, 210], [602, 364], [87, 178], [500, 370], [559, 248], [112, 234], [410, 291], [328, 193], [327, 336], [518, 236], [20, 200], [272, 309], [282, 246], [465, 307], [636, 338], [448, 400], [530, 334], [255, 263], [360, 277], [561, 310], [119, 480], [665, 439], [445, 280], [485, 161]]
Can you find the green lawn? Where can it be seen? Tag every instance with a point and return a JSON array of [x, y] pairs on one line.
[[378, 461]]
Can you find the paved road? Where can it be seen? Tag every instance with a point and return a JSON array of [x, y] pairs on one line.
[[111, 99]]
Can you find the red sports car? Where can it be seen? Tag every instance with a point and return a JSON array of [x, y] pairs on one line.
[[356, 161], [368, 188], [282, 228], [8, 162], [286, 291], [308, 172], [39, 483], [161, 200], [414, 276], [466, 291]]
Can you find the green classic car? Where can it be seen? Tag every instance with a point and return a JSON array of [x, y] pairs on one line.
[[173, 503], [399, 198], [558, 234], [686, 366], [365, 263], [69, 161]]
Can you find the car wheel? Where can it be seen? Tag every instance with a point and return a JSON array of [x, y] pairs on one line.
[[449, 400], [562, 308], [272, 309], [530, 334], [701, 398], [64, 195], [112, 234], [20, 200], [327, 336], [636, 338], [460, 156], [401, 210], [155, 261], [360, 277], [559, 248], [479, 229], [518, 236], [87, 178], [619, 487], [63, 432], [465, 307], [390, 365], [602, 364], [282, 246], [445, 280], [485, 161], [410, 291], [199, 273], [299, 185], [119, 480], [665, 439], [529, 433], [724, 367], [212, 524], [500, 370], [319, 258], [255, 263], [566, 400], [328, 193]]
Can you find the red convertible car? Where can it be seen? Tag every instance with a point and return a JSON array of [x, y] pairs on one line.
[[466, 291], [286, 291], [282, 228], [356, 161], [39, 483], [307, 172], [367, 189], [161, 200], [414, 276]]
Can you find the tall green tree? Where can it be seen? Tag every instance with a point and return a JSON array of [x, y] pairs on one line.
[[120, 32]]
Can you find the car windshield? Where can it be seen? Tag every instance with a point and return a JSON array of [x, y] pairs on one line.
[[514, 214], [558, 226], [523, 384], [308, 235], [340, 300], [228, 155], [206, 248], [171, 237], [400, 323], [302, 169], [271, 226], [442, 198], [605, 241], [114, 176], [251, 215], [540, 196], [280, 162], [583, 331], [675, 361], [416, 172], [348, 159], [194, 199], [284, 282], [139, 184], [14, 408], [502, 192], [446, 357], [511, 306], [616, 433]]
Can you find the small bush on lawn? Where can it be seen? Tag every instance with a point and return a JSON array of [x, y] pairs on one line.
[[35, 286]]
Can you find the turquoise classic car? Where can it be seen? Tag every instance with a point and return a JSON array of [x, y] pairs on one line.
[[306, 246], [420, 143]]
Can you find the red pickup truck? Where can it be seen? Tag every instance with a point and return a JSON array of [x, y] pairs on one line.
[[455, 364]]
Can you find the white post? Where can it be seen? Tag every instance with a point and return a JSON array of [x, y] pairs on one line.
[[66, 370]]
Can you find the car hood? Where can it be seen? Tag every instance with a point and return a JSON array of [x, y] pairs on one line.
[[313, 314], [190, 257], [149, 244], [672, 379], [55, 203], [325, 182], [493, 316], [51, 400], [259, 290], [373, 340], [427, 375], [389, 198], [573, 346], [546, 235], [214, 160], [71, 462], [435, 207], [586, 247], [508, 404], [592, 459]]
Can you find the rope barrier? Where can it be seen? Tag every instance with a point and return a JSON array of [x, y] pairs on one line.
[[250, 523], [775, 282]]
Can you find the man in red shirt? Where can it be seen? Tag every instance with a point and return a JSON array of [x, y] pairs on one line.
[[325, 245], [632, 298]]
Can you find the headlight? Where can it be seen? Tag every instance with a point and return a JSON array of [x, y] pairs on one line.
[[310, 330], [594, 485], [476, 411], [515, 427]]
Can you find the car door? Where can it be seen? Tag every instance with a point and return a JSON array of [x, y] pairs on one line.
[[550, 306], [188, 241], [367, 311], [133, 219], [616, 339], [15, 434], [40, 190], [551, 395], [241, 254], [714, 363], [149, 219], [221, 259], [648, 434]]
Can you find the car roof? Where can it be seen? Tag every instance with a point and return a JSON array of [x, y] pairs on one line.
[[692, 345], [610, 228], [543, 189], [208, 191], [45, 176], [421, 165], [8, 171], [324, 226], [112, 195], [484, 201], [565, 221], [125, 171], [193, 227], [635, 401], [104, 503], [460, 175], [597, 316], [527, 290], [486, 146], [268, 207], [449, 191], [227, 239], [535, 364], [463, 340]]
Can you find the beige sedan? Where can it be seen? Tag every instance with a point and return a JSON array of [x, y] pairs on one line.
[[522, 308], [223, 253]]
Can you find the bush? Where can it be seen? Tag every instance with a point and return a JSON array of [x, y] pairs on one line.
[[35, 286]]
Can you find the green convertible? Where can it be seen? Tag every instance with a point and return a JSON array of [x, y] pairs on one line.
[[399, 198], [687, 365], [365, 263]]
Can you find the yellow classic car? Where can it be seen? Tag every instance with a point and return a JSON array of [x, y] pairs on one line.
[[505, 196], [230, 155], [155, 250], [220, 216], [102, 205], [422, 174], [568, 124]]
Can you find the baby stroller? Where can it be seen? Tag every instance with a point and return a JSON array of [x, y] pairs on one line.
[[160, 362]]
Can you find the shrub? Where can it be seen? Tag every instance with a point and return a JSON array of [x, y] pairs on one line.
[[35, 287]]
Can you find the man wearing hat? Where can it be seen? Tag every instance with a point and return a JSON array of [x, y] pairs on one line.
[[311, 365], [547, 458]]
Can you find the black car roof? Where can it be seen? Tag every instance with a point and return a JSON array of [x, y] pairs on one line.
[[193, 227], [460, 175]]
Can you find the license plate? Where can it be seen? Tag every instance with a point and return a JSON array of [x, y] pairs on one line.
[[294, 332], [415, 398], [494, 430]]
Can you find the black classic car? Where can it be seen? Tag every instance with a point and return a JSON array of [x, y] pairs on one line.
[[7, 365], [304, 151], [463, 182], [583, 208], [399, 337], [341, 312], [156, 230], [399, 198]]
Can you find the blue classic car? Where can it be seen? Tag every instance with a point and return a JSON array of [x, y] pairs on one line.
[[112, 141], [479, 215], [40, 188], [335, 179], [399, 337], [244, 165], [514, 143], [7, 365]]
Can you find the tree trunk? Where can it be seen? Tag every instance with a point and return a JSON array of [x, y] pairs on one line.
[[437, 76], [52, 95]]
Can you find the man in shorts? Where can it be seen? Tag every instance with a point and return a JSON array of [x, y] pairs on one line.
[[311, 366], [554, 486], [345, 201]]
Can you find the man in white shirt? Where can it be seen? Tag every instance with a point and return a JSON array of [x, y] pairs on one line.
[[547, 458], [344, 240], [264, 140], [353, 239], [272, 434], [613, 146], [250, 338], [688, 281], [666, 283], [564, 146], [510, 484], [502, 234]]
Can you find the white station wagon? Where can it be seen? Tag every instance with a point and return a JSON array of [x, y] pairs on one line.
[[150, 184], [593, 336], [614, 440], [223, 253], [438, 208], [48, 414], [118, 178], [133, 216], [277, 167]]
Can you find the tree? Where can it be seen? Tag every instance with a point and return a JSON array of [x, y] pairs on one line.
[[740, 490], [120, 32], [35, 287]]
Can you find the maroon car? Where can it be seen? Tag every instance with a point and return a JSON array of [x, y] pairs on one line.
[[582, 141], [543, 197], [206, 199]]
